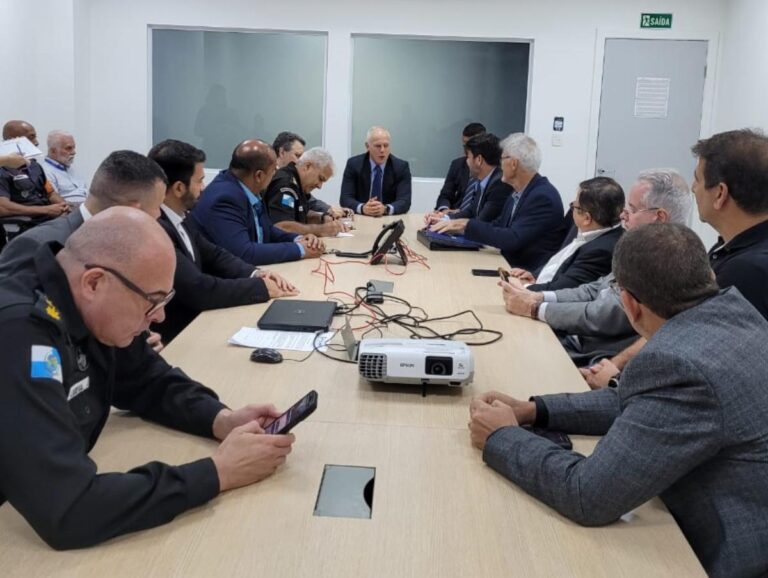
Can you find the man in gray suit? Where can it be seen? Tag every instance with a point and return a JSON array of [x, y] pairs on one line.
[[125, 178], [688, 422], [589, 319]]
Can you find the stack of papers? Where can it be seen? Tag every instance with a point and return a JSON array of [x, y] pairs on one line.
[[21, 145], [286, 340]]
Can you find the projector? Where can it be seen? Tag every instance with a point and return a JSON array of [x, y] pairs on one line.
[[416, 361]]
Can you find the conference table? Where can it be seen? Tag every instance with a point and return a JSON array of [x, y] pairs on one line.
[[437, 509]]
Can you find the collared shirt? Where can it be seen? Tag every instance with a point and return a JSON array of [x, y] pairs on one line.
[[390, 208], [555, 262], [176, 221], [67, 183], [258, 208], [743, 263], [84, 212], [483, 186]]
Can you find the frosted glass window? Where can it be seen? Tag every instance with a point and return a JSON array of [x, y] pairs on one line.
[[214, 89], [425, 91]]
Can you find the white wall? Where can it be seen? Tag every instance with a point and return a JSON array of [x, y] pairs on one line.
[[564, 35], [742, 90], [88, 66]]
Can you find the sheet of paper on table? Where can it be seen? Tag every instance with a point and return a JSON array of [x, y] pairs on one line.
[[286, 340]]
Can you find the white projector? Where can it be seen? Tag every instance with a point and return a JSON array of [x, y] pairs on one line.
[[416, 361]]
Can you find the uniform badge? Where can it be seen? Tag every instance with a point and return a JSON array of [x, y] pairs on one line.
[[81, 360], [46, 363], [288, 200], [51, 310]]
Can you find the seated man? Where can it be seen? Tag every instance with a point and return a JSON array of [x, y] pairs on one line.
[[289, 199], [84, 302], [596, 214], [589, 319], [457, 179], [376, 183], [25, 191], [58, 168], [288, 147], [730, 185], [124, 178], [232, 213], [486, 193], [207, 276], [687, 424], [528, 229]]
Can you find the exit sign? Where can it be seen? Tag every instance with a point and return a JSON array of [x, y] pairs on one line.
[[656, 21]]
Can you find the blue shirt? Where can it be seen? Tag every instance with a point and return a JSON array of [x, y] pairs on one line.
[[68, 184], [258, 209]]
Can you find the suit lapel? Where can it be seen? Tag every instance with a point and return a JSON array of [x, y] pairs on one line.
[[365, 174], [191, 234], [388, 182]]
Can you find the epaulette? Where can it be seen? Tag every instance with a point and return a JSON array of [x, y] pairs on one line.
[[45, 309]]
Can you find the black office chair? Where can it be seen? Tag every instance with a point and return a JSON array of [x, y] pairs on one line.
[[11, 227]]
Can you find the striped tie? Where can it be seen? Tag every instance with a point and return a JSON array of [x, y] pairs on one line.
[[469, 195]]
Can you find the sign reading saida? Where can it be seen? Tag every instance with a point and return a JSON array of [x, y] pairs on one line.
[[656, 20]]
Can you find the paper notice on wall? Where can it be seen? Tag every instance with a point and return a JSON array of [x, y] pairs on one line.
[[652, 97]]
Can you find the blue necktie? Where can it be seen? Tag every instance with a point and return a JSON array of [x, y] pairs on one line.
[[469, 195], [515, 200], [376, 188], [257, 209]]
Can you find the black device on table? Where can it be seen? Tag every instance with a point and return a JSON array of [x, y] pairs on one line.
[[295, 414], [435, 241], [266, 355], [298, 315], [387, 241], [557, 437]]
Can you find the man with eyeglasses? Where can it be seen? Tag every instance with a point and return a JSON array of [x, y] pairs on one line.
[[589, 319], [290, 203], [64, 321]]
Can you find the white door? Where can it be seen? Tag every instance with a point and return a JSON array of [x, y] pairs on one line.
[[650, 107]]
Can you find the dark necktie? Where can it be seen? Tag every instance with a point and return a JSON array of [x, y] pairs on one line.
[[515, 200], [469, 195], [376, 188]]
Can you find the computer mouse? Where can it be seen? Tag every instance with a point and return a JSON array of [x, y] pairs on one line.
[[266, 355]]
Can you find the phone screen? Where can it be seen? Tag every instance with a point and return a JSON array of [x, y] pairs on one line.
[[294, 415], [504, 275]]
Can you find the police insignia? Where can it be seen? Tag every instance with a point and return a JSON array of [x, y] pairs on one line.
[[51, 310], [46, 363], [288, 200]]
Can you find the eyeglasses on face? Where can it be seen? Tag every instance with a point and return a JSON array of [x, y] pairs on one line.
[[576, 207], [632, 211], [158, 299]]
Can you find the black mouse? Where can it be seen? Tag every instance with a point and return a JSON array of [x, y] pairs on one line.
[[266, 355]]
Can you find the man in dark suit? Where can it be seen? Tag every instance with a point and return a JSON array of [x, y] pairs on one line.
[[458, 174], [528, 229], [587, 255], [207, 276], [376, 183], [687, 423], [486, 193], [232, 212]]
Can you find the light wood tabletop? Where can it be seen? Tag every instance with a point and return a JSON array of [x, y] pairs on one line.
[[437, 509]]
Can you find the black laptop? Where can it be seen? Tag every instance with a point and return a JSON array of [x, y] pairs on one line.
[[442, 242], [297, 315]]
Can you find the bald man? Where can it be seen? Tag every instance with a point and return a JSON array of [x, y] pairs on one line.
[[376, 183], [61, 324], [24, 189], [233, 215]]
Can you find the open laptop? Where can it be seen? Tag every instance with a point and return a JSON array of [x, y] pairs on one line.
[[443, 242], [298, 315]]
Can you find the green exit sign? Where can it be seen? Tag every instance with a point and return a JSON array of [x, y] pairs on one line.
[[656, 21]]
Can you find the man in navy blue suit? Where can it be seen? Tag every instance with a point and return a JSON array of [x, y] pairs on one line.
[[232, 214], [528, 231], [376, 183]]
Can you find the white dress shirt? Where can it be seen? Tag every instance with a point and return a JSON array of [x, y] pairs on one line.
[[555, 262], [176, 220]]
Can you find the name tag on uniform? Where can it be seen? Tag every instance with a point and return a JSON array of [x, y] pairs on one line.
[[78, 388], [288, 200]]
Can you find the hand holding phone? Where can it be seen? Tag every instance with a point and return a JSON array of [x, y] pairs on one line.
[[297, 413], [504, 274]]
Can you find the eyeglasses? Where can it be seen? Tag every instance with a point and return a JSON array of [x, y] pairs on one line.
[[576, 207], [158, 299], [505, 157], [633, 211], [614, 286]]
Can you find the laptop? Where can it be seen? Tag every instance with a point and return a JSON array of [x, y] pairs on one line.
[[442, 242], [298, 315]]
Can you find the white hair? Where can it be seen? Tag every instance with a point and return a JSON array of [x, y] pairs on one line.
[[317, 156], [524, 149], [668, 190], [56, 136], [373, 130]]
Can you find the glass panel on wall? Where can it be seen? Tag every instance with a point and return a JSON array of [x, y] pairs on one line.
[[425, 91], [215, 89]]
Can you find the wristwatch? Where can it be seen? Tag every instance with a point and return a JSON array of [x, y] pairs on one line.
[[614, 381]]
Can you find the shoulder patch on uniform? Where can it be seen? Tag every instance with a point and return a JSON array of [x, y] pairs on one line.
[[45, 309], [288, 200], [46, 363]]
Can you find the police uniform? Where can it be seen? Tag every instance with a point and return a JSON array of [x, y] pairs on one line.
[[56, 388], [26, 186], [286, 200]]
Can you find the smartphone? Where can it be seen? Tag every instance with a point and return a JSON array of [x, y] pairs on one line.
[[504, 274], [485, 272], [557, 437], [297, 413]]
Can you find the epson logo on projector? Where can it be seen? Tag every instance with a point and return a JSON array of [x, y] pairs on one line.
[[407, 365]]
